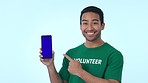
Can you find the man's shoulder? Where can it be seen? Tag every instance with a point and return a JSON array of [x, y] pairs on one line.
[[75, 48], [111, 48], [112, 51]]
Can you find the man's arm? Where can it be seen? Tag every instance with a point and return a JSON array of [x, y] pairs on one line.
[[54, 76], [88, 78], [76, 69]]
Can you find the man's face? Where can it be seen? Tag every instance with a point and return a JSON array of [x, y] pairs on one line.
[[91, 26]]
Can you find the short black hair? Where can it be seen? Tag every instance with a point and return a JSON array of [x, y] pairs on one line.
[[94, 10]]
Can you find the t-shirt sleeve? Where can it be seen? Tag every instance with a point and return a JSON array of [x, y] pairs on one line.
[[64, 74], [114, 68]]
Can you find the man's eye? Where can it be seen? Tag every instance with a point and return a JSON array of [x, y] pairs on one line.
[[96, 23], [84, 23]]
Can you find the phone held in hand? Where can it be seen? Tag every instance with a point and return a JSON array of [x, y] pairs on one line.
[[46, 44]]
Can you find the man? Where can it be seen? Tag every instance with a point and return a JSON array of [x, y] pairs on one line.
[[94, 61]]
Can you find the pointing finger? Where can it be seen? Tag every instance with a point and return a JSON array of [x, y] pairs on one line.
[[66, 56]]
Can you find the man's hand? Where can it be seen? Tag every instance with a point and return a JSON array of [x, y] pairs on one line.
[[46, 62], [74, 66]]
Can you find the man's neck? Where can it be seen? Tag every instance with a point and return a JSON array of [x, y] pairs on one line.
[[93, 44]]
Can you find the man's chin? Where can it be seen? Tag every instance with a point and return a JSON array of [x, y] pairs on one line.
[[90, 39]]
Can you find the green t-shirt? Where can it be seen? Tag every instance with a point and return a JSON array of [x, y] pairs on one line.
[[104, 62]]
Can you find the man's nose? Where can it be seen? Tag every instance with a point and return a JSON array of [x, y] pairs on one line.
[[90, 27]]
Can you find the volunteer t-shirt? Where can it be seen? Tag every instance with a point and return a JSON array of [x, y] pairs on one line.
[[104, 62]]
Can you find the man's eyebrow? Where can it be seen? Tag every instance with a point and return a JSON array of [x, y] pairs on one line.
[[95, 20], [84, 20], [92, 20]]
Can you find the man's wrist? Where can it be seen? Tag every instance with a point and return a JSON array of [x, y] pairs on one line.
[[80, 73], [51, 66]]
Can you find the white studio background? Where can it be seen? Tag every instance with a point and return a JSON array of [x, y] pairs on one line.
[[22, 22]]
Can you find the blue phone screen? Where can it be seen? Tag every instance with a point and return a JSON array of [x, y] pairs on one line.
[[46, 46]]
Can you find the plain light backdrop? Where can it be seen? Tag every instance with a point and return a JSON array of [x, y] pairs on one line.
[[22, 22]]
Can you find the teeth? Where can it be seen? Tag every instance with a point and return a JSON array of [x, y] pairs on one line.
[[90, 33]]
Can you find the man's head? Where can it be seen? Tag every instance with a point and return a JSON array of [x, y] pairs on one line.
[[94, 10], [92, 23]]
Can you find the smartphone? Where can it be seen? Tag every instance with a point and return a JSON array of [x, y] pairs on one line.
[[46, 44]]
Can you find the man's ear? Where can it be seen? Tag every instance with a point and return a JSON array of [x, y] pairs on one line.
[[102, 26], [80, 26]]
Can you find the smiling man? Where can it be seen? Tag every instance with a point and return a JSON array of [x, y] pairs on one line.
[[94, 61]]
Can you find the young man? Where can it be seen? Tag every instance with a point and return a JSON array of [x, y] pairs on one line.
[[94, 61]]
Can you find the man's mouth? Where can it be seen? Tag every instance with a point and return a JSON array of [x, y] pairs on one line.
[[90, 33]]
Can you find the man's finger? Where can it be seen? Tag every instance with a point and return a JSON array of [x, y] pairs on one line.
[[66, 56], [40, 56]]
